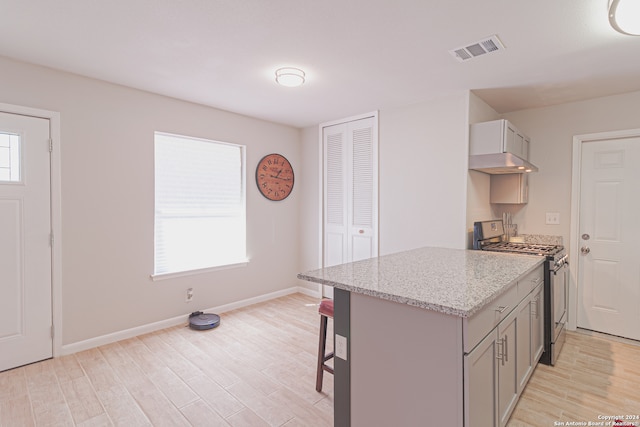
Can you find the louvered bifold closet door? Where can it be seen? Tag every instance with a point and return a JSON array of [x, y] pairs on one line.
[[363, 201], [335, 195], [350, 191]]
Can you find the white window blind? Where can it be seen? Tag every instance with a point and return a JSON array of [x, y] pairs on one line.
[[200, 219]]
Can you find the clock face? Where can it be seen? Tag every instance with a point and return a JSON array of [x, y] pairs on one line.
[[274, 177]]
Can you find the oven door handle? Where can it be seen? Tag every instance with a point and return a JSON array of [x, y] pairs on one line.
[[560, 267]]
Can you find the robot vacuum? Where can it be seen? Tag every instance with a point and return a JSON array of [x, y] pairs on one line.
[[201, 321]]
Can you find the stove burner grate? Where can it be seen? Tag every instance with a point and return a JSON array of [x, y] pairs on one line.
[[523, 248]]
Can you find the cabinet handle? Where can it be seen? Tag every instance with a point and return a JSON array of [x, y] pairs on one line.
[[502, 308], [505, 349], [500, 343], [535, 310]]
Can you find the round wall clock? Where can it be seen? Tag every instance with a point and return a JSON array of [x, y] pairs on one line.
[[274, 177]]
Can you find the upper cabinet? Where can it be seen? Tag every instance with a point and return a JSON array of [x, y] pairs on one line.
[[515, 141], [497, 136], [512, 189], [498, 147]]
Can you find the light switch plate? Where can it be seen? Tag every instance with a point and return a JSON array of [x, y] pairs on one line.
[[553, 218], [341, 347]]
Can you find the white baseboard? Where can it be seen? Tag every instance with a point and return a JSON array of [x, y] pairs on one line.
[[309, 292], [179, 320]]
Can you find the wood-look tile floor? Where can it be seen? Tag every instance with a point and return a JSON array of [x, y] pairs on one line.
[[258, 369], [595, 375]]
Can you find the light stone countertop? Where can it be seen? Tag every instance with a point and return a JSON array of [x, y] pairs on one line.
[[452, 281]]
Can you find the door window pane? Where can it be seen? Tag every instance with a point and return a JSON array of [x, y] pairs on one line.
[[9, 157]]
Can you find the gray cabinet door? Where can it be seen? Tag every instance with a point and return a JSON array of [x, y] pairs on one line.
[[507, 378], [523, 345], [481, 383], [537, 324]]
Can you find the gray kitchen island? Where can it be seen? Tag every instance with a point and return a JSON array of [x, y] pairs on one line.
[[433, 336]]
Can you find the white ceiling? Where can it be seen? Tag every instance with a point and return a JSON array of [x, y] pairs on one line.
[[359, 55]]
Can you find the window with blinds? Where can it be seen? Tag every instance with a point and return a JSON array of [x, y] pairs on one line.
[[200, 218]]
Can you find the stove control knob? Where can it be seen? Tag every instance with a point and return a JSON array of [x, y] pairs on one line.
[[585, 250]]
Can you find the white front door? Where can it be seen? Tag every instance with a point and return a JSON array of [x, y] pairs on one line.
[[25, 241], [609, 237], [350, 154]]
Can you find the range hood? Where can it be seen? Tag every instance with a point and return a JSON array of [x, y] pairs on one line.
[[500, 163]]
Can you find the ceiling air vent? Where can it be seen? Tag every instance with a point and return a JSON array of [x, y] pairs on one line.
[[488, 45]]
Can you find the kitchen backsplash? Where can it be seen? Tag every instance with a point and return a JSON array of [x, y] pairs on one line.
[[541, 239]]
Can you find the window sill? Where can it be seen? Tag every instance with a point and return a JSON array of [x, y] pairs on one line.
[[174, 274]]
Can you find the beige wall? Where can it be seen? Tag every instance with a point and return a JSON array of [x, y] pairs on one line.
[[423, 174], [310, 236], [478, 183], [422, 178], [107, 201], [427, 197], [552, 130]]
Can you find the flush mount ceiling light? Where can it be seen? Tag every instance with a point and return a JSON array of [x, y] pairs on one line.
[[624, 16], [290, 77]]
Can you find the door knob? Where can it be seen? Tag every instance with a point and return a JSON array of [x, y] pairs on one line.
[[585, 250]]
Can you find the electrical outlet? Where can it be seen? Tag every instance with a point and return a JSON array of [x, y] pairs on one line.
[[553, 218], [189, 296], [341, 347]]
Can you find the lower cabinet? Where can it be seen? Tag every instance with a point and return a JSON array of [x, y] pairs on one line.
[[507, 366], [524, 362], [530, 335], [481, 383], [537, 323], [491, 383], [491, 390], [499, 367]]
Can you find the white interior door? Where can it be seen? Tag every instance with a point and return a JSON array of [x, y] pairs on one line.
[[609, 252], [25, 243], [350, 201]]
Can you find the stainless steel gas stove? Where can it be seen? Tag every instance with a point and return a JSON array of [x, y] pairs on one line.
[[490, 236]]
